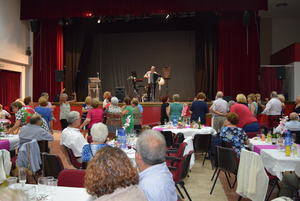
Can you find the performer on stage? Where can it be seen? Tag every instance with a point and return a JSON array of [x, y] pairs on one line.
[[152, 77]]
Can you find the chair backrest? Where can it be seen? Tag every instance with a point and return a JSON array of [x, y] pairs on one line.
[[71, 178], [43, 145], [297, 136], [227, 159], [179, 138], [168, 137], [202, 142], [72, 158], [181, 149], [52, 165], [182, 168]]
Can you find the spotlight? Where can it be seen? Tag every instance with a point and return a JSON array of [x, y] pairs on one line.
[[167, 16], [99, 20]]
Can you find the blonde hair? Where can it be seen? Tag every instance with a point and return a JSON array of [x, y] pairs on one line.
[[88, 98], [134, 101], [281, 98], [43, 101], [107, 94], [176, 97], [95, 103], [252, 97], [241, 98]]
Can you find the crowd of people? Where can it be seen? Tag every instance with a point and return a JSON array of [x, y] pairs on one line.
[[118, 179]]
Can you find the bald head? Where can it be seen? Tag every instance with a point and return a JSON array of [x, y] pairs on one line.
[[151, 145], [219, 94], [294, 116]]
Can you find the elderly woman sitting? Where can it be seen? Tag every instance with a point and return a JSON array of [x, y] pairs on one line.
[[110, 175], [99, 134], [113, 114]]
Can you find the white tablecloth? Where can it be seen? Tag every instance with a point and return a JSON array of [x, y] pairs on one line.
[[253, 142], [276, 162], [14, 141], [188, 148], [189, 132]]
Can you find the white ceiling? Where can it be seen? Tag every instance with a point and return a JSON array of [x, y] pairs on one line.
[[291, 10]]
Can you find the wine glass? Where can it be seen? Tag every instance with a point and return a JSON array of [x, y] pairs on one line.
[[22, 176]]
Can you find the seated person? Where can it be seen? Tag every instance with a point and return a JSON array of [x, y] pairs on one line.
[[293, 124], [3, 113], [232, 134], [111, 176], [34, 130], [155, 178], [290, 183], [71, 136], [99, 134]]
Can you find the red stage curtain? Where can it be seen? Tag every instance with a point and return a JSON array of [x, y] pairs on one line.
[[41, 9], [10, 87], [269, 82], [48, 57], [238, 66]]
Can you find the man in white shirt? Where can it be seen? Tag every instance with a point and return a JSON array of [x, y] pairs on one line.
[[71, 136], [273, 110], [219, 110], [155, 178], [151, 77]]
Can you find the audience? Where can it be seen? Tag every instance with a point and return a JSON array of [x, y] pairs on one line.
[[113, 116], [65, 108], [71, 136], [127, 115], [137, 116], [273, 110], [46, 96], [45, 111], [260, 104], [293, 124], [219, 109], [94, 115], [163, 110], [252, 104], [232, 134], [28, 101], [3, 113], [110, 176], [199, 108], [297, 107], [247, 120], [174, 110], [99, 134], [282, 100], [33, 130], [155, 178]]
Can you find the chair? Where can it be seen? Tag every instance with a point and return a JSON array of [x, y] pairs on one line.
[[180, 172], [73, 158], [202, 144], [44, 147], [297, 136], [168, 137], [178, 153], [71, 178], [51, 165], [227, 163]]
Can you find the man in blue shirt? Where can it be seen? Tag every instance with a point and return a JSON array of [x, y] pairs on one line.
[[155, 178]]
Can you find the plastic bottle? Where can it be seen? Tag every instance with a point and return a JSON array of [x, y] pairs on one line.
[[122, 138], [288, 143]]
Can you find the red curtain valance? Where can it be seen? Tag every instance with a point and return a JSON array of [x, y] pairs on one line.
[[45, 9]]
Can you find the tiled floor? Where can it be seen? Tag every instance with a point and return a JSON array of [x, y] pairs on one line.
[[198, 184]]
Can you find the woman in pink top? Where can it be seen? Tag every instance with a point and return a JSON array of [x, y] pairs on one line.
[[247, 120], [95, 115]]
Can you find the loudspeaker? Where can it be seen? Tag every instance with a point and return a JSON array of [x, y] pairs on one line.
[[120, 93], [59, 75], [34, 26], [281, 73]]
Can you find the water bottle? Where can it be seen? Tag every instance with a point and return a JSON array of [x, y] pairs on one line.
[[287, 142], [122, 138]]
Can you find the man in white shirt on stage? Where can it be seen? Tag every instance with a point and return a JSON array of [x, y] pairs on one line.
[[151, 77], [71, 136], [273, 110]]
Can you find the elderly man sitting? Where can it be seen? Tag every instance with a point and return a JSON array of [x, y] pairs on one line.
[[71, 136], [155, 178], [99, 134], [34, 130]]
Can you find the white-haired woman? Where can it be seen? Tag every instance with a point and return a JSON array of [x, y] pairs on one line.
[[113, 115], [99, 134], [65, 108]]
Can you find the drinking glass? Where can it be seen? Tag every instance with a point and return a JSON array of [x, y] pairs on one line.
[[22, 176], [42, 186], [11, 181]]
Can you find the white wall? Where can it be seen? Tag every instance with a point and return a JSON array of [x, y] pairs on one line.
[[15, 37], [285, 31]]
